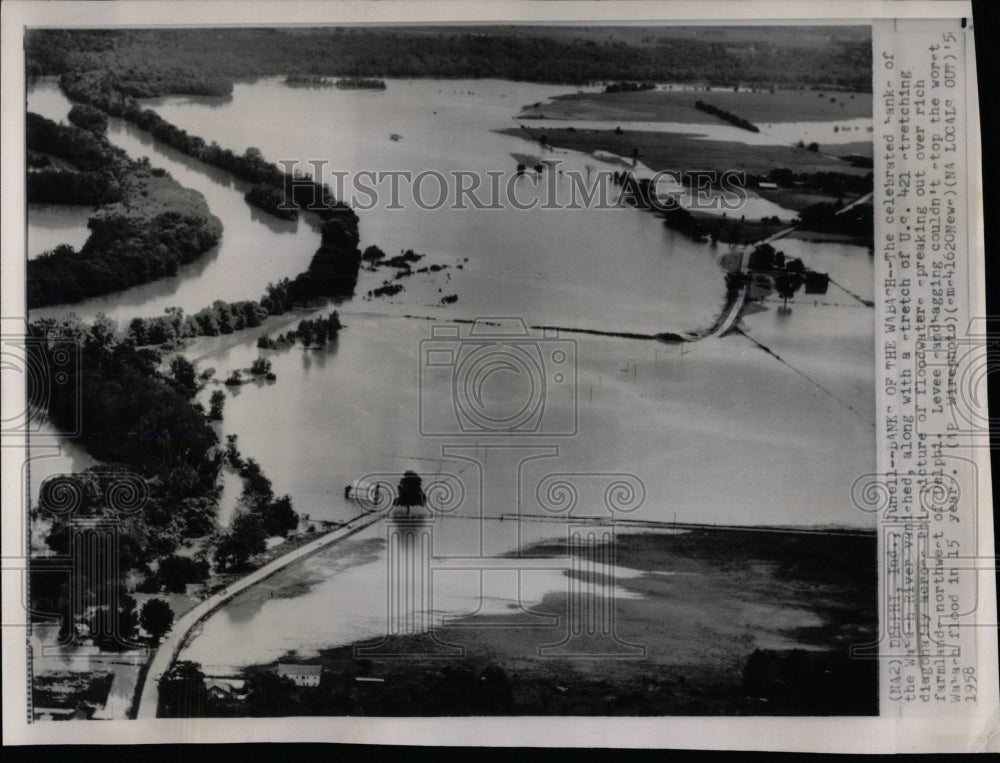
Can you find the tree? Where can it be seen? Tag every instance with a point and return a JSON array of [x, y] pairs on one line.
[[216, 402], [184, 376], [321, 334], [260, 366], [175, 572], [246, 538], [410, 491], [115, 634], [786, 286], [279, 517], [794, 265], [182, 691], [156, 618], [305, 333], [373, 254]]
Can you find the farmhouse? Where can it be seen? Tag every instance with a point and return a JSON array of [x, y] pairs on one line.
[[301, 675], [225, 689]]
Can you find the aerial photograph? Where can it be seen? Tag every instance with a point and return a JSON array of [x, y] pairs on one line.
[[450, 371]]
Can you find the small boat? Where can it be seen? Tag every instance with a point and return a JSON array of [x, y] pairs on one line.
[[395, 136]]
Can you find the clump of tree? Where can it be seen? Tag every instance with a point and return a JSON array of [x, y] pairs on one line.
[[220, 318], [373, 254], [410, 492], [333, 271], [726, 116], [176, 572], [260, 366], [156, 618], [56, 186], [260, 515], [403, 259], [786, 276], [272, 200], [113, 627], [245, 539], [360, 83], [311, 332], [216, 403], [87, 117], [121, 252], [182, 692], [184, 376], [308, 80], [386, 290], [628, 87]]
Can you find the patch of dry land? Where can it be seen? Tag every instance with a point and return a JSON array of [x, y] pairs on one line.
[[761, 106], [688, 151], [730, 622]]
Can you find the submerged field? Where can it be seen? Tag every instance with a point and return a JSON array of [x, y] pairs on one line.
[[731, 622]]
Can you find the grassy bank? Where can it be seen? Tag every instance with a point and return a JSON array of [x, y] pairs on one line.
[[732, 621]]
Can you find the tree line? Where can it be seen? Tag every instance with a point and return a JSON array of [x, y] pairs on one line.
[[628, 87], [273, 191], [726, 116], [148, 60], [311, 332]]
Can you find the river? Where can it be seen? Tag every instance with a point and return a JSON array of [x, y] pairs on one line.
[[718, 431]]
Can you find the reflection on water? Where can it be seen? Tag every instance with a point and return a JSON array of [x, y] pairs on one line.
[[52, 225]]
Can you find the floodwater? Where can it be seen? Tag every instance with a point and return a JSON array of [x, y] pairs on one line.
[[719, 431], [51, 225]]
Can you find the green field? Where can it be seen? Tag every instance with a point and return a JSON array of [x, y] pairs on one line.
[[759, 107]]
